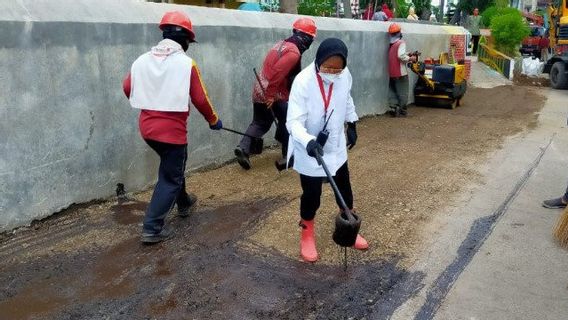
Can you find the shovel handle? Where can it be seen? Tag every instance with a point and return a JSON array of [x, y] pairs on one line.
[[238, 132], [333, 185]]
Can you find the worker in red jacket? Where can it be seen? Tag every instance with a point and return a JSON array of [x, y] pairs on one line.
[[161, 84], [271, 91]]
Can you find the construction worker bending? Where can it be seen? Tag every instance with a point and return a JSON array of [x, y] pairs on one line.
[[320, 105], [272, 88], [398, 74], [161, 83]]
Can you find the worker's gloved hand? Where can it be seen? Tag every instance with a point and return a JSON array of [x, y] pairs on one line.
[[314, 148], [351, 135], [217, 126]]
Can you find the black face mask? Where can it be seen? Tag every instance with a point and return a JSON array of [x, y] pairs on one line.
[[302, 40], [179, 36]]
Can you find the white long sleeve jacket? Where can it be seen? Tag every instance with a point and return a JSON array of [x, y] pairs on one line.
[[306, 117]]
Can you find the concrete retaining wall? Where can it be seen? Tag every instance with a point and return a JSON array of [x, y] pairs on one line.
[[67, 133]]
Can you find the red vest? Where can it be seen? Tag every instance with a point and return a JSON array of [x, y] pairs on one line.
[[394, 61]]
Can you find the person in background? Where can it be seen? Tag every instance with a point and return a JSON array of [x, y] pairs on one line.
[[322, 93], [412, 14], [355, 9], [161, 84], [369, 12], [380, 15], [398, 58], [387, 11], [433, 18], [474, 24], [270, 97]]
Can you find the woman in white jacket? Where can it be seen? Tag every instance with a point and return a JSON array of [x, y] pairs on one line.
[[321, 94]]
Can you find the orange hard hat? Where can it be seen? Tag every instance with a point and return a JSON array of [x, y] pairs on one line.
[[394, 28], [177, 18], [306, 25]]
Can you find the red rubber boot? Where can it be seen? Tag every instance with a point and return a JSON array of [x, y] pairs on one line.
[[308, 241], [361, 243]]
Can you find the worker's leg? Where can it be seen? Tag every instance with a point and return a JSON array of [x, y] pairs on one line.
[[475, 40], [261, 122], [170, 181], [344, 185], [402, 93]]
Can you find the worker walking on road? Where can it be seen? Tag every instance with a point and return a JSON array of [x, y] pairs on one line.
[[320, 105], [398, 74], [161, 83], [271, 91]]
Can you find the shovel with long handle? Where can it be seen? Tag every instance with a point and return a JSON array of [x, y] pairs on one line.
[[240, 133], [347, 224], [334, 186], [256, 145]]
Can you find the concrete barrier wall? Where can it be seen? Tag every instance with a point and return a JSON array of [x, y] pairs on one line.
[[67, 133]]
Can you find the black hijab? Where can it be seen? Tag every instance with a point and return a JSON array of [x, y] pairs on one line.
[[331, 47]]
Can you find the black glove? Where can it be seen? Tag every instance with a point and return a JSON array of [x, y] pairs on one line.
[[313, 147], [351, 135]]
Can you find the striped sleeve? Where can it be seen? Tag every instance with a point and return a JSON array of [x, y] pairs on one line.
[[199, 97]]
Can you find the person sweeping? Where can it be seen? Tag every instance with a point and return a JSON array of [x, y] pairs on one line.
[[272, 88], [161, 84], [319, 107]]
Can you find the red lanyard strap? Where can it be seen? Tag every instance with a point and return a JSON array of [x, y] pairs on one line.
[[322, 90]]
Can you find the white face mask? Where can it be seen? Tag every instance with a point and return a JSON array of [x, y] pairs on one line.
[[329, 78]]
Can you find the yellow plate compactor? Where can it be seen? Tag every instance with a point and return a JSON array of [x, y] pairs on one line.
[[443, 88]]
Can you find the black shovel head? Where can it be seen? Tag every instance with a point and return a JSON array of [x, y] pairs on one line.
[[346, 229], [256, 145]]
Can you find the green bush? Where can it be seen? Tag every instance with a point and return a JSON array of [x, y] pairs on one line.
[[402, 8], [508, 31], [316, 7], [495, 11]]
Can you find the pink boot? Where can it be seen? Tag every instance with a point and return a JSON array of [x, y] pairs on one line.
[[308, 241], [361, 243]]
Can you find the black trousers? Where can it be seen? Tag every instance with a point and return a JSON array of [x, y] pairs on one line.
[[170, 188], [311, 192], [475, 40], [262, 120]]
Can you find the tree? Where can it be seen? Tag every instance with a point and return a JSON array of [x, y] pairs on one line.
[[347, 9], [508, 31], [423, 8], [317, 7], [469, 5], [289, 6]]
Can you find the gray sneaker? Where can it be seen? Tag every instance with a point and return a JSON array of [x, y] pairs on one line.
[[185, 211], [557, 203], [151, 238]]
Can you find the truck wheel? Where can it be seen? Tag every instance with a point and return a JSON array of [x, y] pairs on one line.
[[558, 78]]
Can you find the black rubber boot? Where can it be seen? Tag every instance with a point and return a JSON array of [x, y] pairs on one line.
[[242, 158]]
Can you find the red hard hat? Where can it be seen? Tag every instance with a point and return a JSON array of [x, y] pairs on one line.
[[306, 25], [177, 18], [394, 28]]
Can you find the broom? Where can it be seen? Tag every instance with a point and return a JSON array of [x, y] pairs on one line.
[[561, 229]]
